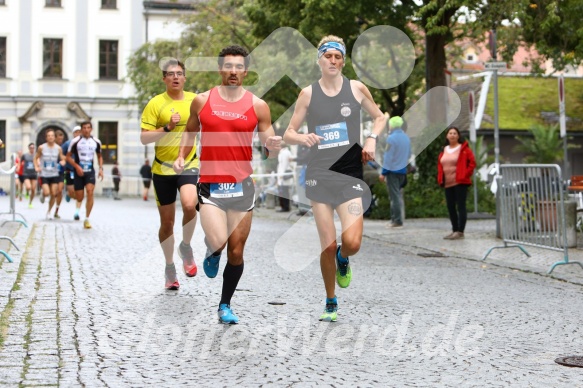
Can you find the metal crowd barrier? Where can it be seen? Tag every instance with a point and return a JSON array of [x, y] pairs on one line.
[[265, 188], [532, 209], [11, 173]]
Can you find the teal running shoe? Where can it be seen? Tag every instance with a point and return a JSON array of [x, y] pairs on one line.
[[343, 271], [226, 315], [330, 312], [211, 264]]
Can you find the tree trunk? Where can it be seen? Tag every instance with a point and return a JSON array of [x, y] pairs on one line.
[[436, 65]]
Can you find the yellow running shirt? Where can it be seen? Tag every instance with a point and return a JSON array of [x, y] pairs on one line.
[[156, 115]]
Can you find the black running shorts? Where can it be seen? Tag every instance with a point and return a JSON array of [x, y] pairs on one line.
[[166, 186], [49, 181], [81, 181]]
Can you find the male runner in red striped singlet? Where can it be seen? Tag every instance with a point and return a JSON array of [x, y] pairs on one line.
[[227, 117]]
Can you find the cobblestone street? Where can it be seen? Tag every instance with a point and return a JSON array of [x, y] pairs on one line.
[[88, 307]]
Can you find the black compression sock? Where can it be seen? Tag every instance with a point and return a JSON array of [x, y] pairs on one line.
[[231, 277]]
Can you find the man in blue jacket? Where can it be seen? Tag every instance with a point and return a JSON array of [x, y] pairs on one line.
[[395, 161]]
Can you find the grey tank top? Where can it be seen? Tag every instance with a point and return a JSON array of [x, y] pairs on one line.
[[28, 165], [49, 161]]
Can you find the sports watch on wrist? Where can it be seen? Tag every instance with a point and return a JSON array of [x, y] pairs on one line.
[[166, 129], [373, 136]]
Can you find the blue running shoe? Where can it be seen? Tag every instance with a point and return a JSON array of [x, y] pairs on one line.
[[226, 315], [67, 198], [211, 264]]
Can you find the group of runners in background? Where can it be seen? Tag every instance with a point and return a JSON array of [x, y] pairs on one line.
[[56, 164]]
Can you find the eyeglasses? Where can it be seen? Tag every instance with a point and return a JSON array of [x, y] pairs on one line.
[[171, 74]]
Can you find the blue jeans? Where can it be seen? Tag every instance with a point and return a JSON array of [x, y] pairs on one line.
[[394, 183]]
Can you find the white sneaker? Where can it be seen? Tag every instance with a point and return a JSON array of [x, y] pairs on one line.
[[49, 216]]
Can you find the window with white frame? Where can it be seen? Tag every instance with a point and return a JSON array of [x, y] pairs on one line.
[[108, 59], [53, 58]]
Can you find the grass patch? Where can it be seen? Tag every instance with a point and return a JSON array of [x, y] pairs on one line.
[[7, 312], [522, 99], [4, 321]]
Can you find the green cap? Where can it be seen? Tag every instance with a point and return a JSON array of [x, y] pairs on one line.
[[395, 122]]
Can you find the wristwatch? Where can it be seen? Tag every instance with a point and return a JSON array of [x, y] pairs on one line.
[[166, 129], [373, 136]]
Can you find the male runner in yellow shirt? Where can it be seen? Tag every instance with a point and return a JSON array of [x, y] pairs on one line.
[[163, 121]]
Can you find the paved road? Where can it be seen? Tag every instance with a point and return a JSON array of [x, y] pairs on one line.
[[87, 307]]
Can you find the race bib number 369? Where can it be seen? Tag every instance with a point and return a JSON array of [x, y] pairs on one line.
[[334, 135]]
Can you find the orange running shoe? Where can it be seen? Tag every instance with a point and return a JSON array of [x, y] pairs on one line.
[[185, 253], [171, 280]]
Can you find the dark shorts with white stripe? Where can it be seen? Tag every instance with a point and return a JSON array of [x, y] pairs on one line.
[[242, 203]]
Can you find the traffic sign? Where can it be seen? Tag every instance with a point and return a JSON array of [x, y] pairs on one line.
[[494, 65]]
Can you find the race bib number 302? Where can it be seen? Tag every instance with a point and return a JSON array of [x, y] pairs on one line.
[[334, 135], [226, 190]]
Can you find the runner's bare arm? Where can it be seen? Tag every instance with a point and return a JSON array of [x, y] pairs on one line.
[[69, 159], [265, 129], [189, 135], [291, 135], [72, 162], [150, 136], [100, 161], [37, 158], [62, 160], [379, 119]]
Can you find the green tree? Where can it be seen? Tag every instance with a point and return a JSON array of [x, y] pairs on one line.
[[555, 28], [215, 25], [545, 146], [315, 19], [144, 71]]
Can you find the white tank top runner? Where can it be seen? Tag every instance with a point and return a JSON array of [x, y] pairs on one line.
[[49, 161]]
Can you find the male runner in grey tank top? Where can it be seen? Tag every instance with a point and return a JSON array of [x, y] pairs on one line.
[[47, 159]]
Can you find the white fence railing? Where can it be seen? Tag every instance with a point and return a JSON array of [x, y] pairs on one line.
[[532, 208]]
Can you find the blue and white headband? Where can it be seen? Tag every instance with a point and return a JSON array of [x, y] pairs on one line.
[[331, 46]]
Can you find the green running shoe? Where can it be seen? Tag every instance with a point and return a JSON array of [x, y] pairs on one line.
[[343, 271], [330, 313]]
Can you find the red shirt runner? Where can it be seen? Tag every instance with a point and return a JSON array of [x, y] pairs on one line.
[[226, 138]]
